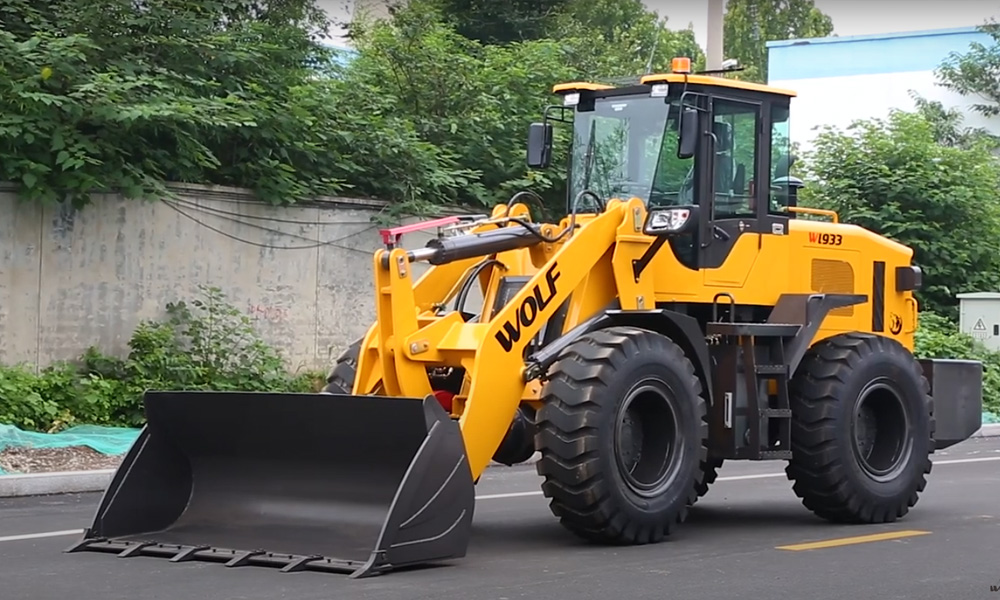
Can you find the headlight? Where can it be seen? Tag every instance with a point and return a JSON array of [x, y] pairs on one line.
[[669, 220]]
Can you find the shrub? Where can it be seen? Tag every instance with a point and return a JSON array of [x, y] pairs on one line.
[[205, 345], [938, 337]]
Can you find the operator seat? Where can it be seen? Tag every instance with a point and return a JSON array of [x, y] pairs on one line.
[[724, 170]]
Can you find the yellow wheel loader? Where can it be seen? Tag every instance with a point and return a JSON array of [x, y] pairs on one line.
[[685, 312]]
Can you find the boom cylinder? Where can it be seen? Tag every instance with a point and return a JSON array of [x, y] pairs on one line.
[[441, 251]]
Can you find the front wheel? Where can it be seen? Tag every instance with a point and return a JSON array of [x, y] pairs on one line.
[[622, 434], [862, 430]]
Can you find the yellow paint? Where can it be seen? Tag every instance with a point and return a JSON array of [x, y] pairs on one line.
[[591, 268], [576, 86], [587, 270], [848, 541], [579, 85], [714, 81]]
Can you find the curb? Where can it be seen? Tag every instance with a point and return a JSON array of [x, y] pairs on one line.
[[66, 482], [988, 430], [76, 482]]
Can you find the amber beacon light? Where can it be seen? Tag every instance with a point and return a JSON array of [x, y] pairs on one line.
[[681, 64]]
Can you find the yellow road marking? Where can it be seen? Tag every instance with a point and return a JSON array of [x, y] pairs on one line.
[[861, 539]]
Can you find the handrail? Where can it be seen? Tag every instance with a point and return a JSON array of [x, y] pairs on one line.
[[815, 211]]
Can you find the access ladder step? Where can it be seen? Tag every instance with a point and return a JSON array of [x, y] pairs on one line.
[[776, 413], [752, 329], [772, 370], [776, 454]]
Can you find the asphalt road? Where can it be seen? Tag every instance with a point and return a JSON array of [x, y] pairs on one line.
[[947, 548]]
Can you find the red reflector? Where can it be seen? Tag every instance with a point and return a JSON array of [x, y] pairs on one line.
[[444, 397]]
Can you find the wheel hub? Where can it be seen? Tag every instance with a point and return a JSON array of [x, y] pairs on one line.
[[882, 431], [646, 439]]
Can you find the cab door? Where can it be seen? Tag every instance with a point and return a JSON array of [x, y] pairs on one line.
[[731, 242]]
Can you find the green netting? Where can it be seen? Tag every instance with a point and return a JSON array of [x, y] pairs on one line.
[[990, 418], [106, 440]]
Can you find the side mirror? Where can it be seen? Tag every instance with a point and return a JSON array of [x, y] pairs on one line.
[[540, 145], [687, 141], [672, 220]]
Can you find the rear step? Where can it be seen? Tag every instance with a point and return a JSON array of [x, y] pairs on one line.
[[325, 482]]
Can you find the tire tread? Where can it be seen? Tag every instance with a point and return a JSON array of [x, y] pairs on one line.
[[820, 477], [568, 428]]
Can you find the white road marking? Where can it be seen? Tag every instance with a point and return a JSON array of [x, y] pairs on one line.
[[68, 532], [34, 536], [957, 461]]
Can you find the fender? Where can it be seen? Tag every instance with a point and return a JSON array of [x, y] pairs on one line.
[[682, 329]]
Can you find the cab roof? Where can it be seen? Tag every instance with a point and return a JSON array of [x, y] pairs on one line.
[[705, 80]]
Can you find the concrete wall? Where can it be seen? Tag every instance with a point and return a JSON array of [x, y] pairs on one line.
[[840, 80], [70, 280]]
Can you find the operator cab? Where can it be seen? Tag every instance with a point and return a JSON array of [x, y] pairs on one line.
[[681, 141]]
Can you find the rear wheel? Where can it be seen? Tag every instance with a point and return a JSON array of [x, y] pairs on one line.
[[341, 377], [622, 434], [862, 430]]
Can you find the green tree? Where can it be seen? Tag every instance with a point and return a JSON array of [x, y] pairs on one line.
[[976, 72], [893, 177], [750, 24], [627, 38], [948, 125], [469, 102], [492, 22], [111, 95]]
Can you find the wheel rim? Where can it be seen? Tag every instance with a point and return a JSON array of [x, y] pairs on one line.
[[646, 434], [882, 443]]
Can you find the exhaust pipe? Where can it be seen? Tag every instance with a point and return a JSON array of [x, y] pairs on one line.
[[339, 483]]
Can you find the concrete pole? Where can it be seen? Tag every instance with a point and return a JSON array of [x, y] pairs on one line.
[[714, 52]]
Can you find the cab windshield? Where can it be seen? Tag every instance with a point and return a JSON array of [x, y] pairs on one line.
[[627, 147]]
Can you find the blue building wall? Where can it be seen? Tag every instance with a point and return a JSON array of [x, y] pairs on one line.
[[342, 54], [867, 54], [842, 79]]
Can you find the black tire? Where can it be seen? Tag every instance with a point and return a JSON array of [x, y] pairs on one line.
[[578, 425], [345, 369], [710, 469], [838, 379]]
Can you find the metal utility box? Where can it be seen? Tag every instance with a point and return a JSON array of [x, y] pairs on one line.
[[980, 317]]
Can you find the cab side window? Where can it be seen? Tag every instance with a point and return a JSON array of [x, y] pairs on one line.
[[781, 149]]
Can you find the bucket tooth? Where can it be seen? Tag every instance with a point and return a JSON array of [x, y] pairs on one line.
[[340, 483]]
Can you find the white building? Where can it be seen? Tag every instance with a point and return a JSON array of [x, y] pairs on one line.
[[842, 79], [342, 12]]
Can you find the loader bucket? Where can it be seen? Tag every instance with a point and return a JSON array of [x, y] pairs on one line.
[[341, 483]]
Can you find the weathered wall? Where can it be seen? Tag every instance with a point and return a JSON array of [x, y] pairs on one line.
[[70, 280]]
